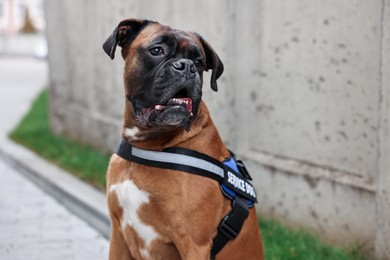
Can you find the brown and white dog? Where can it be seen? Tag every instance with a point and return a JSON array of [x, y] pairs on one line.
[[160, 213]]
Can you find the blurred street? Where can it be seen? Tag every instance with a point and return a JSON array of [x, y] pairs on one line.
[[33, 225]]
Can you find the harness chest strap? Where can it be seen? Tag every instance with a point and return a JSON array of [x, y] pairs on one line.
[[234, 182], [181, 159]]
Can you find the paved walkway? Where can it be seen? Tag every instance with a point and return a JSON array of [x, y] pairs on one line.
[[33, 225], [21, 79]]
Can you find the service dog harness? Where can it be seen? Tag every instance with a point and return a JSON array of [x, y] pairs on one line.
[[231, 174]]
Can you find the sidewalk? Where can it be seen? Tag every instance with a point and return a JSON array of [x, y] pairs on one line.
[[34, 224]]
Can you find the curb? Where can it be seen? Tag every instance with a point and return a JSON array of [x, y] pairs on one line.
[[80, 198]]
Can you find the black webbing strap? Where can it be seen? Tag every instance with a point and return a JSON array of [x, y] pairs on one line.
[[230, 226], [186, 160]]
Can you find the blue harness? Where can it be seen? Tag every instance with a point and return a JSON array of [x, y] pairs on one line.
[[228, 192], [232, 175]]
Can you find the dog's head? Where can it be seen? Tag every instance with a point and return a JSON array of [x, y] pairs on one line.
[[163, 71]]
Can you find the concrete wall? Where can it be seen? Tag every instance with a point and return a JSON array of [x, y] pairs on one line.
[[304, 99], [383, 175]]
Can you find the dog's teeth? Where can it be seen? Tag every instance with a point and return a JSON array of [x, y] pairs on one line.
[[159, 107]]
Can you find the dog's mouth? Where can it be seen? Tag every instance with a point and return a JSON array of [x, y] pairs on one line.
[[173, 103], [177, 111]]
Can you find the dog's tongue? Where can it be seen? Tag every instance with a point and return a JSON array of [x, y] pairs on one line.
[[186, 102]]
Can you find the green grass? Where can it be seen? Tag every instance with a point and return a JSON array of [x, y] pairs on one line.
[[33, 132], [282, 243], [90, 165]]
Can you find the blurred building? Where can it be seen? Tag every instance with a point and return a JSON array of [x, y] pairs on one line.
[[13, 15]]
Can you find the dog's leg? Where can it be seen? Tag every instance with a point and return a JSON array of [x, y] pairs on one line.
[[189, 250], [118, 247]]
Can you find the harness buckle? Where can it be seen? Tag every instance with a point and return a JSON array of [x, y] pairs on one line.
[[232, 223], [241, 167]]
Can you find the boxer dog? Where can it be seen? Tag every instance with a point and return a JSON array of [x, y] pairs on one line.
[[161, 213]]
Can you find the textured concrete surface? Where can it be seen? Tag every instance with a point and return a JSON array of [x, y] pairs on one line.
[[33, 225], [79, 197], [382, 243], [318, 78]]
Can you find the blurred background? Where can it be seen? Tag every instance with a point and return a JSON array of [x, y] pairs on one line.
[[304, 98], [22, 25]]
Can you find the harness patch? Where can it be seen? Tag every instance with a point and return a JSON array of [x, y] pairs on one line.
[[234, 183]]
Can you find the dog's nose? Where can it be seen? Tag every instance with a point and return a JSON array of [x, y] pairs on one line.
[[184, 65], [179, 65]]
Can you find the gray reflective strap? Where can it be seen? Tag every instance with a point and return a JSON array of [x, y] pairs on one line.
[[178, 159]]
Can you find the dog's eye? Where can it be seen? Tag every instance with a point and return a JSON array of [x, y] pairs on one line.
[[199, 64], [156, 51]]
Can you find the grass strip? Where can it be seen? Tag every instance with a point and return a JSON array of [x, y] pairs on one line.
[[34, 132], [90, 165], [281, 243]]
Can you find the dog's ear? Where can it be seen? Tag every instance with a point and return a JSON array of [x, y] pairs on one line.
[[123, 34], [212, 63]]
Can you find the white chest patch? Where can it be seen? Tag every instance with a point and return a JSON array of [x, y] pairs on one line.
[[132, 133], [130, 198]]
